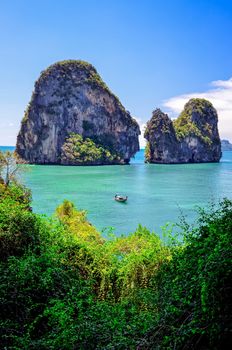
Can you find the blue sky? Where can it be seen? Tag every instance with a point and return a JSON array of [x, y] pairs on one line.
[[150, 53]]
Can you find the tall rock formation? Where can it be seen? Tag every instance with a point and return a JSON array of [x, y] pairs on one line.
[[161, 137], [73, 118], [191, 138]]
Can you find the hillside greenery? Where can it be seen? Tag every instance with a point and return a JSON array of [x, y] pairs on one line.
[[78, 150], [64, 286], [184, 126]]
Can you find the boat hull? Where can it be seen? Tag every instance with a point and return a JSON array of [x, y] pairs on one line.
[[120, 199]]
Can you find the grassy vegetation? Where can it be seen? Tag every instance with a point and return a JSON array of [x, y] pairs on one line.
[[85, 151], [63, 286]]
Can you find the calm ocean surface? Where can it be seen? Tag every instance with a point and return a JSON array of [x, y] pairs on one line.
[[156, 193]]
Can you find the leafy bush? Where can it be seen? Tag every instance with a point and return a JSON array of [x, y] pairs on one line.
[[195, 287]]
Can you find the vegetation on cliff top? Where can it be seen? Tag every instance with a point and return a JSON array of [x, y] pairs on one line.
[[192, 137], [184, 126], [159, 120], [64, 286], [64, 68]]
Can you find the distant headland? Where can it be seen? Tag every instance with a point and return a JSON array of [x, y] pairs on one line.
[[226, 145]]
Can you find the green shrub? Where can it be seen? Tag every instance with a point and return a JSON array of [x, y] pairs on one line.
[[195, 287], [65, 287]]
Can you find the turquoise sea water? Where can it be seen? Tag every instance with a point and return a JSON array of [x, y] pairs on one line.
[[156, 193]]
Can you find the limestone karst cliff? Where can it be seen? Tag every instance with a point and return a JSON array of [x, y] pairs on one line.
[[73, 118], [192, 138]]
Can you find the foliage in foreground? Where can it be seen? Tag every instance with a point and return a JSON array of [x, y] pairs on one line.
[[9, 169], [63, 286]]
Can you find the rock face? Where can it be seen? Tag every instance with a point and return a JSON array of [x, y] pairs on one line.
[[226, 145], [191, 138], [162, 141], [71, 100]]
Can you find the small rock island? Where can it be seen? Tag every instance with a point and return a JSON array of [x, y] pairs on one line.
[[74, 119], [191, 138], [226, 145]]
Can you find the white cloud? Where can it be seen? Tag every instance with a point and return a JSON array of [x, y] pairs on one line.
[[142, 141], [220, 94], [142, 125]]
